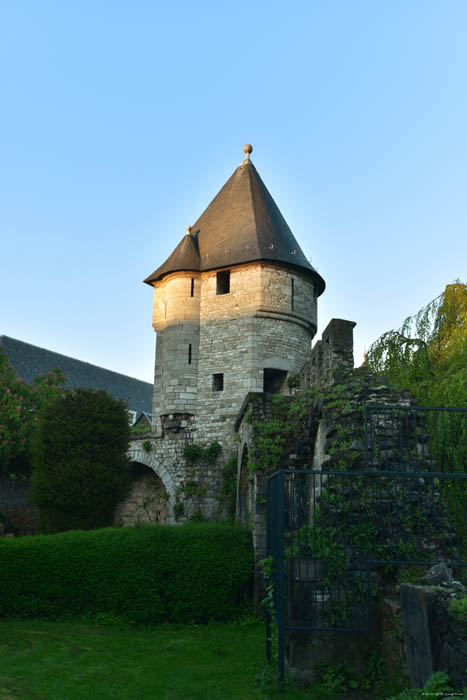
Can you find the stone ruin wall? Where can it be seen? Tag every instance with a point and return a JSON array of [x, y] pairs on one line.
[[334, 351], [331, 361]]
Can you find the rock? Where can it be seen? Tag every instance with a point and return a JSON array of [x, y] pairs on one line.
[[457, 586], [356, 445], [438, 574]]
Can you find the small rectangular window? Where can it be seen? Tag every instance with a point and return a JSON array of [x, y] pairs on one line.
[[218, 382], [292, 292], [189, 354], [223, 282], [274, 380], [192, 287]]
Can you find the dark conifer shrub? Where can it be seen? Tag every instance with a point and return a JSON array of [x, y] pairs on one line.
[[81, 470]]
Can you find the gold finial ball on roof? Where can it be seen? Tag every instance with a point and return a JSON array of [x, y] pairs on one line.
[[188, 230], [247, 149]]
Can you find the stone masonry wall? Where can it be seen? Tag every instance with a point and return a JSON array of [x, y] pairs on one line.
[[253, 344], [176, 321], [258, 287], [333, 351], [251, 328], [243, 298], [276, 293], [173, 302], [176, 389], [279, 344], [435, 639], [243, 332], [225, 348], [145, 504], [156, 400], [167, 460]]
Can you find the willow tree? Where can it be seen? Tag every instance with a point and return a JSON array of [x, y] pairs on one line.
[[428, 353]]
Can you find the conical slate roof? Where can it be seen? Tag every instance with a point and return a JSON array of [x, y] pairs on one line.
[[242, 224]]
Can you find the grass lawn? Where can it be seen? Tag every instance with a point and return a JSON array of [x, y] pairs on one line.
[[73, 661]]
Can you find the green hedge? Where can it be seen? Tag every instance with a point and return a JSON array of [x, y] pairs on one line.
[[150, 574]]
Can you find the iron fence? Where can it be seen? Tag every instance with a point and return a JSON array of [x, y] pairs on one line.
[[413, 438], [327, 531]]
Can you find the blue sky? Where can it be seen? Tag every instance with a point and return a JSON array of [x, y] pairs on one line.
[[119, 122]]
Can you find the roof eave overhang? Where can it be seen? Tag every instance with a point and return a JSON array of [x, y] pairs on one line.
[[152, 279], [320, 284]]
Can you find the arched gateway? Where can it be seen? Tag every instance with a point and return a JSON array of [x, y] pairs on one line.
[[152, 492]]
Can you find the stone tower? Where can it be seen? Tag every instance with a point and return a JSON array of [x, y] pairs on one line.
[[234, 312]]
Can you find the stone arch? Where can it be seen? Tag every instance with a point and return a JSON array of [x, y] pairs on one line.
[[147, 500], [149, 459]]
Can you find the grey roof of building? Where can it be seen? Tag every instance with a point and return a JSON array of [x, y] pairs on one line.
[[29, 360], [242, 224], [143, 414]]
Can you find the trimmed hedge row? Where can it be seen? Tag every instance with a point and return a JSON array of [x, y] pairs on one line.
[[150, 574]]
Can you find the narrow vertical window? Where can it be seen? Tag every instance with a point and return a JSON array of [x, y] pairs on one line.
[[189, 354], [192, 288], [292, 293]]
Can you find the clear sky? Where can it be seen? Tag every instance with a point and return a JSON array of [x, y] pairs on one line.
[[120, 121]]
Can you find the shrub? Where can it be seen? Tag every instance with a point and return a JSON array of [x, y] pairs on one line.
[[194, 453], [436, 685], [458, 608], [147, 446], [149, 574], [81, 470]]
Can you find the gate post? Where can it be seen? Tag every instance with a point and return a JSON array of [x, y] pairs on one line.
[[280, 577]]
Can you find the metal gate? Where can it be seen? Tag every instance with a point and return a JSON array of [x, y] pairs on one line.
[[328, 530]]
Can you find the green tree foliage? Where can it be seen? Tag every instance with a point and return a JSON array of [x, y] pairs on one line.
[[428, 353], [81, 470], [21, 407]]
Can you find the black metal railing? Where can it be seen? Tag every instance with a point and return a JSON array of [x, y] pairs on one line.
[[327, 530]]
